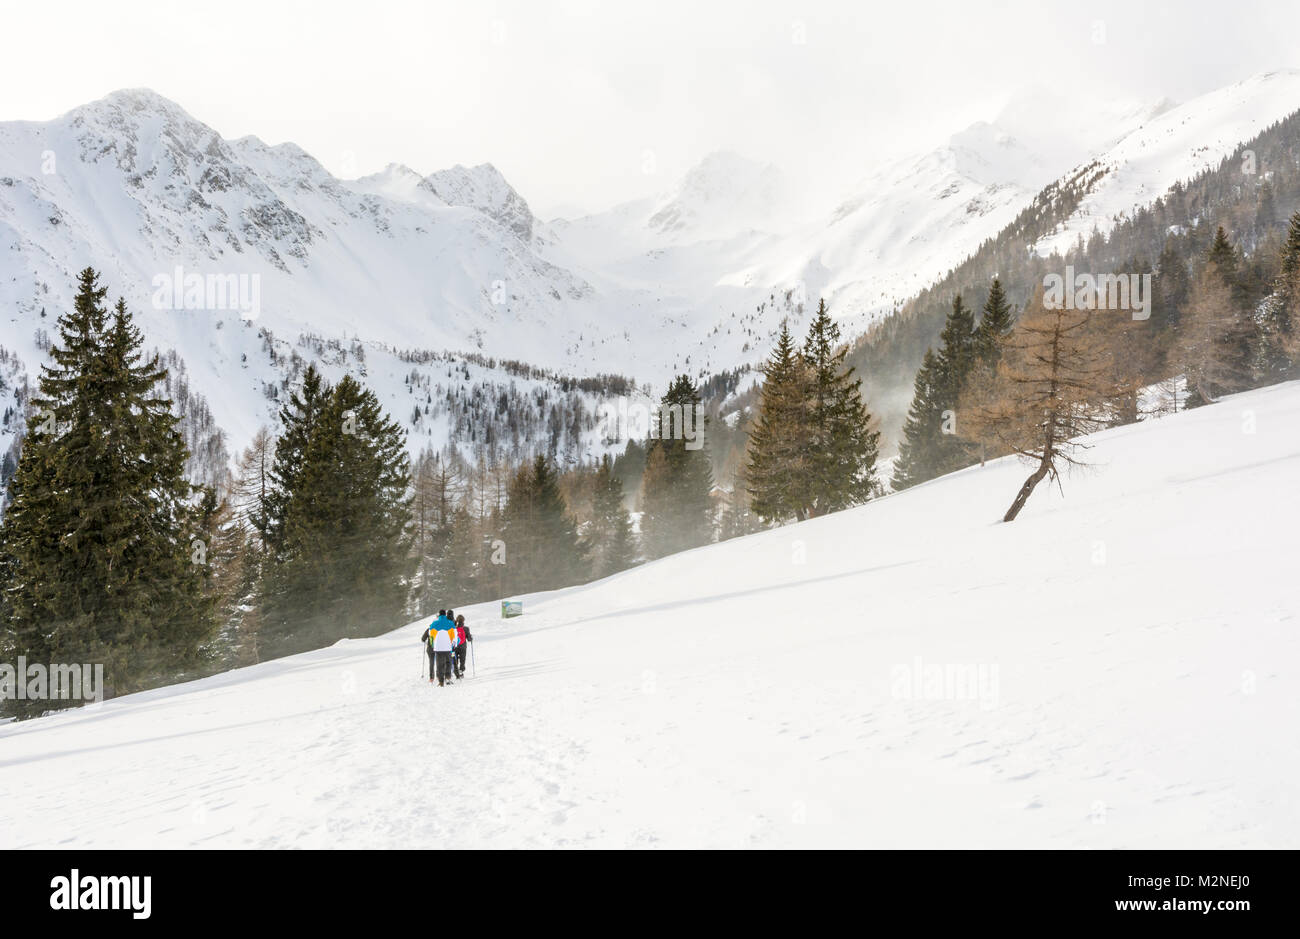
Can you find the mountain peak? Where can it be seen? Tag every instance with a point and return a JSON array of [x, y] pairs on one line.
[[137, 101], [484, 188], [724, 192], [724, 171]]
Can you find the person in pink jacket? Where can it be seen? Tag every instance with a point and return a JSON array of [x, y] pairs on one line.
[[463, 637]]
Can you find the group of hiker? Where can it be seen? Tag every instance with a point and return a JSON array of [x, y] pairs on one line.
[[446, 640]]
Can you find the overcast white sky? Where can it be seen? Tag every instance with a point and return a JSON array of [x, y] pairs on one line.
[[567, 97]]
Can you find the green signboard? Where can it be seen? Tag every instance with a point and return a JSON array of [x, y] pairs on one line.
[[512, 608]]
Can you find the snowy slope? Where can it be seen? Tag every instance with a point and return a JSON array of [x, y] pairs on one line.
[[1137, 639], [1176, 146], [910, 222]]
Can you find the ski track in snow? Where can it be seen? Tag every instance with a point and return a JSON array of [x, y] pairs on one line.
[[1143, 628]]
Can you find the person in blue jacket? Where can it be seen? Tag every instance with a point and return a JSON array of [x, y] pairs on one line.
[[428, 648], [439, 641]]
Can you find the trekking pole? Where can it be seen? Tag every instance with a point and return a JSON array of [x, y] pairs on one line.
[[472, 664]]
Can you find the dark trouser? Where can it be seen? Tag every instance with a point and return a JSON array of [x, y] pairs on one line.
[[444, 666], [432, 662], [461, 651]]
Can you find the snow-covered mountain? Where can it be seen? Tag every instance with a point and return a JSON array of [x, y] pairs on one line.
[[135, 187], [911, 221], [733, 228], [398, 268], [961, 683], [403, 266], [1176, 145]]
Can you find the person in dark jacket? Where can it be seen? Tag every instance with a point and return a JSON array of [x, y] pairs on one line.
[[462, 650], [455, 642]]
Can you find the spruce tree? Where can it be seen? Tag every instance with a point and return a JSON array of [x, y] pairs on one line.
[[841, 445], [101, 549], [1266, 216], [1214, 341], [1172, 286], [612, 543], [146, 442], [917, 450], [1223, 258], [776, 471], [738, 517], [995, 325], [1281, 326], [931, 446], [297, 421], [543, 550], [1224, 261], [956, 360], [463, 559], [1218, 335], [676, 501], [344, 566], [520, 535]]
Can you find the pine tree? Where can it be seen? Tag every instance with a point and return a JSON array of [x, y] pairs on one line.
[[1217, 336], [931, 446], [917, 450], [676, 501], [167, 564], [991, 336], [1266, 216], [297, 422], [738, 518], [543, 550], [611, 540], [1172, 286], [1223, 258], [1281, 322], [520, 534], [100, 551], [463, 559], [956, 361], [841, 445], [776, 471], [629, 466], [995, 325], [344, 566]]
